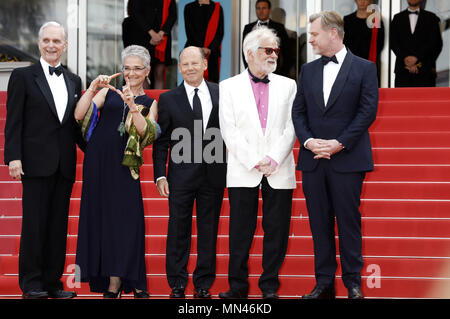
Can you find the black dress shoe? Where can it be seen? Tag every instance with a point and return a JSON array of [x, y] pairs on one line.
[[61, 294], [202, 293], [321, 292], [231, 294], [355, 293], [35, 294], [177, 293], [270, 295], [141, 294]]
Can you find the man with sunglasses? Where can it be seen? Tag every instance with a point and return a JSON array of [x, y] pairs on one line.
[[256, 125], [263, 9]]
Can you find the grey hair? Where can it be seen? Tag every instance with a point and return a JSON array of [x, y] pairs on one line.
[[51, 24], [139, 51], [330, 20], [253, 39]]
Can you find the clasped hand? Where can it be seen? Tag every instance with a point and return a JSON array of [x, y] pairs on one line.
[[265, 166], [324, 148]]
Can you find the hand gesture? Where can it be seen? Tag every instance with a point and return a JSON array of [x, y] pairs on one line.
[[128, 96], [103, 82]]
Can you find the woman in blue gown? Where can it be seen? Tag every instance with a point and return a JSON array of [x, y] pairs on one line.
[[117, 125]]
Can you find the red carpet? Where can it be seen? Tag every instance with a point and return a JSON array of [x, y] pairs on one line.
[[405, 213]]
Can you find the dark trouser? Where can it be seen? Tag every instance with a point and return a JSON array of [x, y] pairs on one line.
[[329, 194], [277, 206], [208, 203], [45, 206], [406, 79]]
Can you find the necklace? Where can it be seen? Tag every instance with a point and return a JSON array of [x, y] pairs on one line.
[[121, 127]]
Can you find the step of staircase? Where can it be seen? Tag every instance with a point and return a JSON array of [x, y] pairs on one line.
[[405, 211]]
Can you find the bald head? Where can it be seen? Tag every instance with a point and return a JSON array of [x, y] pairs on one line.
[[192, 65]]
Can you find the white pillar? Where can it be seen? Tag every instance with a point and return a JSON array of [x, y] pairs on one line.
[[312, 6]]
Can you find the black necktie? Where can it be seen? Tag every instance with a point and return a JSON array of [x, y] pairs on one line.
[[197, 108], [414, 12], [326, 59], [257, 80], [58, 70]]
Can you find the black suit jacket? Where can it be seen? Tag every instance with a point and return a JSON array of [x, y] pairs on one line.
[[33, 131], [351, 109], [285, 60], [146, 15], [425, 43], [174, 111]]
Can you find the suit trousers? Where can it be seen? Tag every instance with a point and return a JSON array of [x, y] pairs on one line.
[[42, 255], [208, 202], [276, 208], [331, 194]]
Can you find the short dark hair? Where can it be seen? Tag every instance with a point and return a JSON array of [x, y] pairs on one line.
[[267, 1]]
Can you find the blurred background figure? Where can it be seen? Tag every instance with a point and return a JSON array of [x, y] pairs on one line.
[[204, 29], [416, 40], [363, 37], [149, 24]]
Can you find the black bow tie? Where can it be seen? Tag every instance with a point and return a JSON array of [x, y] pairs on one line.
[[266, 24], [326, 59], [58, 70], [257, 80], [414, 12]]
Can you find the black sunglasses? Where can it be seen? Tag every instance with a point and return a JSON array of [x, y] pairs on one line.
[[269, 51]]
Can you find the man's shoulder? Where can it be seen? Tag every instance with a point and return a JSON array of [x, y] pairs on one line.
[[232, 80], [430, 15], [249, 27]]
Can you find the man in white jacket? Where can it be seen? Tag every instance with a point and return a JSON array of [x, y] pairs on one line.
[[255, 121]]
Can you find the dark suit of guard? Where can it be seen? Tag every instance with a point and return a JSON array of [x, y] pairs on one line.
[[425, 44], [332, 187], [47, 148], [189, 181]]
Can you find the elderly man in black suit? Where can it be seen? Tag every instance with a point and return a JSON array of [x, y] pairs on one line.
[[40, 150], [336, 102], [189, 118], [263, 11], [417, 42]]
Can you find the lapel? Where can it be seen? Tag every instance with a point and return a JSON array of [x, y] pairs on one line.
[[340, 81], [42, 83], [248, 101], [317, 81], [419, 23], [214, 93], [70, 96], [183, 107], [273, 103]]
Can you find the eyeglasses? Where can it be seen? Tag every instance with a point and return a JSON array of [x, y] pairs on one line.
[[269, 51], [127, 69]]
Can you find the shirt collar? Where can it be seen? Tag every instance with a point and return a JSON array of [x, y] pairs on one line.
[[340, 56], [417, 10], [45, 66], [190, 88]]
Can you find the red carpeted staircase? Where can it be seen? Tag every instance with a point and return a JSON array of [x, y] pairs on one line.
[[405, 213]]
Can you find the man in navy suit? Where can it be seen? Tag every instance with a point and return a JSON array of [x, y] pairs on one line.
[[336, 103]]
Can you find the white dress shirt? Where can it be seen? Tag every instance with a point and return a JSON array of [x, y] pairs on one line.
[[330, 73], [413, 19], [58, 89], [205, 99]]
